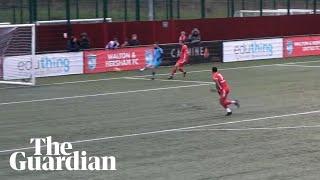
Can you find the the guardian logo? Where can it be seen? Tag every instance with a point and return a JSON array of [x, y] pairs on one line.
[[55, 156]]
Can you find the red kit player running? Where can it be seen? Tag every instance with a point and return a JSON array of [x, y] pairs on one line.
[[184, 57], [223, 90]]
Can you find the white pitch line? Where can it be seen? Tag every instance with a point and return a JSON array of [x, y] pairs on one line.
[[67, 82], [164, 74], [101, 94], [294, 65], [172, 80], [173, 130], [253, 129]]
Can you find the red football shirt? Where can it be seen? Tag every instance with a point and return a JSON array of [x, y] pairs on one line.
[[184, 53], [221, 82], [182, 38]]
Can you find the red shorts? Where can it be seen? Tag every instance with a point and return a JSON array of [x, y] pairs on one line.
[[179, 64], [223, 93]]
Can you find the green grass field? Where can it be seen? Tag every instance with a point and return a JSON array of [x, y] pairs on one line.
[[174, 130]]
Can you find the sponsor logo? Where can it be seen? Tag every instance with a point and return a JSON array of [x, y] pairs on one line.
[[54, 156], [45, 63], [115, 60], [302, 46], [92, 61], [289, 47], [125, 62], [42, 65], [149, 57], [254, 48], [193, 51], [122, 59], [52, 63]]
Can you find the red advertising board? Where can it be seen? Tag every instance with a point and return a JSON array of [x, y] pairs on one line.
[[301, 46], [115, 60]]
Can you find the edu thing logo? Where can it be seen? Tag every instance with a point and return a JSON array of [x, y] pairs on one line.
[[45, 63]]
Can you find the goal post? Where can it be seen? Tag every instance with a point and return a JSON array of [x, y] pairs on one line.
[[17, 54]]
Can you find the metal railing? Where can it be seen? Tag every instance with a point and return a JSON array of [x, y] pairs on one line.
[[27, 11]]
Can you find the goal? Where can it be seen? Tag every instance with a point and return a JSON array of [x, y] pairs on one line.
[[17, 54]]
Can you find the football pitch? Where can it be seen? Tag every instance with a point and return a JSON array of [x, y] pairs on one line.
[[174, 129]]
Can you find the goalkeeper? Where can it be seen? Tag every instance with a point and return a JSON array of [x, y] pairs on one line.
[[156, 60]]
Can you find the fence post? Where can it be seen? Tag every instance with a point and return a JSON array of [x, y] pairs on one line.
[[274, 4], [170, 9], [97, 8], [137, 10], [261, 7], [105, 10], [203, 9], [288, 7], [21, 11], [32, 11], [35, 11], [243, 5], [154, 10], [68, 17], [77, 9], [68, 11], [151, 10], [49, 10], [178, 9], [14, 14], [314, 6], [167, 9], [125, 10], [228, 8], [232, 8]]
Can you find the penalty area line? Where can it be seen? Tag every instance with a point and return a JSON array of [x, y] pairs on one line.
[[176, 130]]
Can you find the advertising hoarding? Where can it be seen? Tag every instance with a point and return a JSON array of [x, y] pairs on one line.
[[252, 50]]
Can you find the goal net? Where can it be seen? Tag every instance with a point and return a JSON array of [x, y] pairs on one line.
[[17, 54]]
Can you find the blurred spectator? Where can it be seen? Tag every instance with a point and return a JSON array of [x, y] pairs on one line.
[[113, 44], [84, 42], [125, 43], [194, 37], [134, 40], [73, 44], [182, 37]]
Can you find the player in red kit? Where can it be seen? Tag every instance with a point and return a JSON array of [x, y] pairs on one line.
[[223, 91], [184, 57]]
